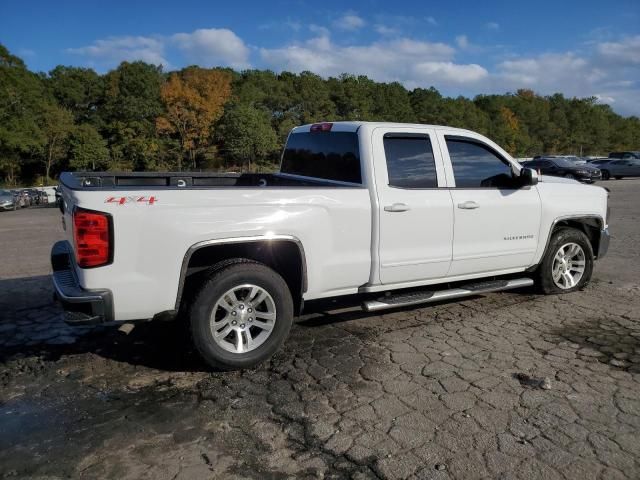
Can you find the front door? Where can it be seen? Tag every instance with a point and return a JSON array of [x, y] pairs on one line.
[[496, 221], [415, 215]]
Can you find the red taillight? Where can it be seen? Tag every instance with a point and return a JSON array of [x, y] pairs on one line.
[[92, 238], [321, 127]]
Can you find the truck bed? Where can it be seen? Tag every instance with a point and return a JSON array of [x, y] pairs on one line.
[[181, 180]]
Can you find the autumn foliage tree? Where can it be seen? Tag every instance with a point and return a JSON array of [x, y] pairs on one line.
[[194, 99]]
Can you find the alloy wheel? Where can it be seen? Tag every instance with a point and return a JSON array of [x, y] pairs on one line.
[[243, 318]]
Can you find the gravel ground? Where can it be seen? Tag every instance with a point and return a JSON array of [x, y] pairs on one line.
[[509, 385]]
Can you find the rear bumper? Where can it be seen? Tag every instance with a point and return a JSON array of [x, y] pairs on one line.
[[81, 307], [603, 245]]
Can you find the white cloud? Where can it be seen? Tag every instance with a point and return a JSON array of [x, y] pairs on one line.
[[449, 72], [624, 52], [113, 50], [350, 21], [599, 73], [563, 71], [492, 26], [406, 60], [213, 47], [431, 21], [462, 41], [385, 30], [206, 47], [318, 30]]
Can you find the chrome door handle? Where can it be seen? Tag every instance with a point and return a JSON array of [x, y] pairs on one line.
[[469, 205], [397, 207]]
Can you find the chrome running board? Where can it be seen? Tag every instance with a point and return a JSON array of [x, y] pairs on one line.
[[417, 298]]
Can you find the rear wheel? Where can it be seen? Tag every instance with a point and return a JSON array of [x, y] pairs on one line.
[[568, 262], [618, 177], [241, 315], [606, 175]]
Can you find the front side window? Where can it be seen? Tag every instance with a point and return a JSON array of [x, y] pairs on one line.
[[410, 162], [475, 165]]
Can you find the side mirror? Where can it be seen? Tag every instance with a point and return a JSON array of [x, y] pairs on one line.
[[529, 176]]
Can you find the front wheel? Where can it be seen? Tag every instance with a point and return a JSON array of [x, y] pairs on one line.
[[241, 315], [567, 264], [618, 177], [606, 175]]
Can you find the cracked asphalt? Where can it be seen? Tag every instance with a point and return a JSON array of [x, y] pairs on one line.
[[507, 385]]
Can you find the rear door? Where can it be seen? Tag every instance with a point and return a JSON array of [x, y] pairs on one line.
[[415, 210], [634, 168], [496, 221], [619, 168]]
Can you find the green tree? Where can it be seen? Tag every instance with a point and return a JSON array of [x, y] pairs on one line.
[[247, 135], [56, 125], [79, 90], [87, 149], [131, 103], [21, 99]]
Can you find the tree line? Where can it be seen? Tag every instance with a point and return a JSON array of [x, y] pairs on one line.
[[138, 118]]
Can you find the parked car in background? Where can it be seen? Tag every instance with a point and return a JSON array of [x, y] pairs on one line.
[[36, 196], [570, 158], [598, 162], [625, 155], [561, 167], [27, 199], [7, 200], [621, 168], [48, 195]]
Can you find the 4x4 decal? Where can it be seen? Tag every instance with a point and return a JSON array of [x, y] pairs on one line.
[[137, 199]]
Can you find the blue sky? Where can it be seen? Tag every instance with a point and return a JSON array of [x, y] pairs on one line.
[[580, 48]]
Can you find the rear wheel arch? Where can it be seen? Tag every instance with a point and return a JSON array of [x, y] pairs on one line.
[[283, 254]]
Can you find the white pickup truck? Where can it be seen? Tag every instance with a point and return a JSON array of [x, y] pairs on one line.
[[383, 215]]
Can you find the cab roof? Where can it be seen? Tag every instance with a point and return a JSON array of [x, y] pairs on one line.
[[353, 126]]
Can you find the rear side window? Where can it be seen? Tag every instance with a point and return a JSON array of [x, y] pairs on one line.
[[477, 166], [410, 162], [327, 155]]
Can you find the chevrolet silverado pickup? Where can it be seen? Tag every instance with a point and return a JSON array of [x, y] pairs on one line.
[[383, 215]]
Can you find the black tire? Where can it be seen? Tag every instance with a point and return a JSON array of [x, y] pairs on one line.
[[558, 239], [617, 177], [224, 277], [569, 175], [606, 175]]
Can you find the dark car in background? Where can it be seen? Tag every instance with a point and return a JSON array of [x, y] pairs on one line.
[[561, 167], [598, 162], [621, 168], [629, 155], [571, 158]]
